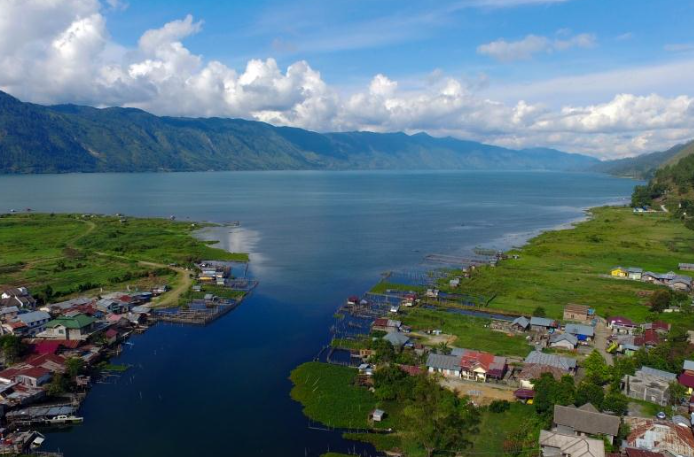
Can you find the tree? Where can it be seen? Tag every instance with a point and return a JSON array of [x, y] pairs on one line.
[[616, 402], [550, 392], [443, 348], [660, 300], [499, 406], [587, 392], [73, 367], [384, 352], [676, 392], [58, 385], [392, 383], [12, 348], [597, 370], [435, 419], [539, 312]]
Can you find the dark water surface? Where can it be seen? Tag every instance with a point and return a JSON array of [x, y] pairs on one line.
[[314, 238]]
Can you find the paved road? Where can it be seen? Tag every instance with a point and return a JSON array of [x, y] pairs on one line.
[[601, 335]]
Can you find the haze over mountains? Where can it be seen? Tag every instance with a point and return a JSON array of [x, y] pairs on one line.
[[70, 138]]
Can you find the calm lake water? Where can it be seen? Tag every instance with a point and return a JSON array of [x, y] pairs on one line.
[[314, 239]]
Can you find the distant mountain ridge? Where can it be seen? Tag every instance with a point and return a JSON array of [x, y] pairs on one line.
[[645, 165], [71, 138]]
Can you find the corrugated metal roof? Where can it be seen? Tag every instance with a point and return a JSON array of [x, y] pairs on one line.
[[443, 361]]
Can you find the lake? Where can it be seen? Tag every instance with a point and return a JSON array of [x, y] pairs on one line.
[[314, 238]]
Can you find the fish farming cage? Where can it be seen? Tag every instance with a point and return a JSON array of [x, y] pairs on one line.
[[419, 278], [244, 285], [355, 320], [460, 261]]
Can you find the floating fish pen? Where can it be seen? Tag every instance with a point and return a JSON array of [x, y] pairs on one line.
[[244, 285], [459, 261], [197, 313], [415, 277]]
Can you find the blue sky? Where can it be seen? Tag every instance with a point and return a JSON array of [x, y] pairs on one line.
[[350, 41], [609, 78]]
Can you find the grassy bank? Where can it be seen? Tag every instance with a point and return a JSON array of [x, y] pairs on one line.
[[329, 396], [569, 266], [470, 332], [74, 254]]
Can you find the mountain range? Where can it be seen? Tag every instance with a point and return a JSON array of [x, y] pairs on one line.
[[71, 138], [646, 165]]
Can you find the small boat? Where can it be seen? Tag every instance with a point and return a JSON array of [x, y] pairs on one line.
[[64, 419], [38, 441]]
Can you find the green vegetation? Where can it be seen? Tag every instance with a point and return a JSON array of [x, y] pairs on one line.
[[59, 139], [470, 332], [502, 433], [572, 266], [60, 255], [329, 395], [116, 368]]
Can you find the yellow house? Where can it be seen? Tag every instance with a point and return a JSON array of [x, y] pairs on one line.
[[619, 272]]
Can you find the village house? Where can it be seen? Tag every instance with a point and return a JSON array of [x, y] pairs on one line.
[[520, 324], [621, 325], [553, 444], [586, 420], [649, 384], [75, 327], [8, 313], [670, 279], [619, 272], [563, 341], [397, 339], [582, 332], [634, 273], [66, 306], [659, 436], [686, 378], [533, 371], [480, 366], [566, 364], [542, 324], [448, 365], [625, 344], [112, 306], [578, 313], [686, 266], [681, 284], [17, 296], [659, 327], [386, 325], [29, 324]]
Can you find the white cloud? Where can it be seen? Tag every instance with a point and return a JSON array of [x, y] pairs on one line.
[[528, 47], [679, 47], [64, 53]]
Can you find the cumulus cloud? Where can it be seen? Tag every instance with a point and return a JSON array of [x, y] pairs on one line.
[[528, 47], [61, 51]]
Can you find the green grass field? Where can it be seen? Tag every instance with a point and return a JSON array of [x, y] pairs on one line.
[[567, 266], [496, 428], [471, 332], [328, 395], [75, 254]]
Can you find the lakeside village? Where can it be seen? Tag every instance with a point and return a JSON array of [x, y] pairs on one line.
[[651, 414], [53, 353]]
